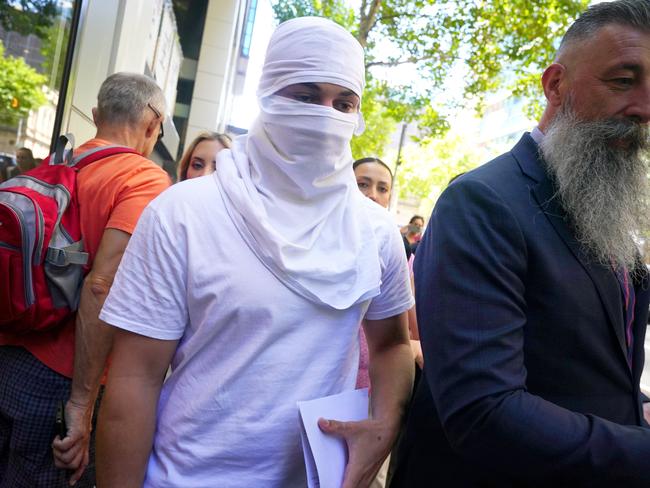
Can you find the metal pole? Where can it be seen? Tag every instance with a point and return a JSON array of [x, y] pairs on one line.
[[19, 133], [398, 161], [67, 67], [399, 151]]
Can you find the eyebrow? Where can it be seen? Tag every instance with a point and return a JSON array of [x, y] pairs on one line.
[[315, 87], [312, 86], [634, 67], [368, 178]]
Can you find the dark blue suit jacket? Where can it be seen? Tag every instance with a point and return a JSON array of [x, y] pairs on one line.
[[526, 378]]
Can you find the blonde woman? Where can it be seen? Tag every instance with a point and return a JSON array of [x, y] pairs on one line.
[[200, 158]]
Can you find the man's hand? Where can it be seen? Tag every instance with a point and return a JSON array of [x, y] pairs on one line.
[[369, 443], [71, 452], [93, 341]]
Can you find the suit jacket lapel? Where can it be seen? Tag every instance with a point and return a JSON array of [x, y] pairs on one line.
[[603, 277]]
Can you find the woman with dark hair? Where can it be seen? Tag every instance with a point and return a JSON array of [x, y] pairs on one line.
[[374, 179], [413, 231]]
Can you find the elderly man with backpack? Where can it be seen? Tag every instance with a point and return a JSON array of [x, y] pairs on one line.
[[71, 217]]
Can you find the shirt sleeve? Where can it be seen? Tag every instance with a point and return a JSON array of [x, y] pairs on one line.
[[143, 186], [148, 296], [395, 294]]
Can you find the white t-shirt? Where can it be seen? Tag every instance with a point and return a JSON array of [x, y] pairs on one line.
[[249, 348]]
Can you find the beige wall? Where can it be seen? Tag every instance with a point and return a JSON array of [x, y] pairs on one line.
[[114, 37], [212, 96], [91, 65]]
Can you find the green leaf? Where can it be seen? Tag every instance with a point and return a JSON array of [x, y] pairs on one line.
[[501, 44], [19, 83]]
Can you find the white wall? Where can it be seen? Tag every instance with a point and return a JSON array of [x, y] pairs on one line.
[[114, 36], [215, 71], [91, 65]]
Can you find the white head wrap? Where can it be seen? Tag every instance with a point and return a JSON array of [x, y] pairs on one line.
[[288, 184]]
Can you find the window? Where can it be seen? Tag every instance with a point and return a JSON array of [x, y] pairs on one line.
[[34, 43]]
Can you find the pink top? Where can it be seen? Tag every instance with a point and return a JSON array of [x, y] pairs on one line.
[[363, 377]]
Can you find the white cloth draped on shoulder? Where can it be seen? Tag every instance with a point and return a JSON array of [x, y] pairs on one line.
[[288, 184]]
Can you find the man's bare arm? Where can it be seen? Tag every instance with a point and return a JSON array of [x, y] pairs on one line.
[[127, 419], [93, 339], [391, 377], [391, 366]]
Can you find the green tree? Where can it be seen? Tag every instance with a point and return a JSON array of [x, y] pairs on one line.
[[427, 168], [20, 88], [380, 125], [498, 43], [28, 16]]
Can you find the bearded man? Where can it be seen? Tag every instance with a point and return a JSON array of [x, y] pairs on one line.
[[252, 282], [532, 298]]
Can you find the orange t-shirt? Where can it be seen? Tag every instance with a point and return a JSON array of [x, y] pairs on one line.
[[112, 193]]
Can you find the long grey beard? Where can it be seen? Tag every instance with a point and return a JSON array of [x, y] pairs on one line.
[[602, 187]]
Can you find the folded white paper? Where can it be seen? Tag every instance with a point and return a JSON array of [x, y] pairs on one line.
[[325, 455]]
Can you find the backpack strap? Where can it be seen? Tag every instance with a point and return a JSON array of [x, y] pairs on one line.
[[60, 154], [97, 153], [64, 257]]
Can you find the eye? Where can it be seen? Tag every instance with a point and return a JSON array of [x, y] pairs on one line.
[[197, 165], [345, 107], [383, 189], [362, 185], [304, 97], [623, 81]]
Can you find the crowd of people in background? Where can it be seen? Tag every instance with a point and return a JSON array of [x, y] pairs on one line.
[[272, 273]]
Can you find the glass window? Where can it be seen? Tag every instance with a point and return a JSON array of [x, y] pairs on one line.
[[34, 38]]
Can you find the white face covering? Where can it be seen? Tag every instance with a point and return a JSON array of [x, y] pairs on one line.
[[289, 186], [308, 144]]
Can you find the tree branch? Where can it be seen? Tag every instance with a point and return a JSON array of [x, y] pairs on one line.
[[367, 21], [398, 15], [397, 62]]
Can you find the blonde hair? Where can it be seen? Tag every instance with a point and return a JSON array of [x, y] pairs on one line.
[[184, 163]]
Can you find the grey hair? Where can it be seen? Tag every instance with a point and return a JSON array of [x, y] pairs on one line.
[[123, 99], [631, 13]]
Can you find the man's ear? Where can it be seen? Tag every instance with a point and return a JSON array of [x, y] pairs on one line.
[[152, 127], [94, 112], [553, 80]]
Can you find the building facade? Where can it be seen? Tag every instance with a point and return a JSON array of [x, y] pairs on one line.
[[192, 48]]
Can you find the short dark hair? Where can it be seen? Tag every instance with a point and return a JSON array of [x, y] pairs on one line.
[[632, 13], [416, 217], [361, 161], [27, 150]]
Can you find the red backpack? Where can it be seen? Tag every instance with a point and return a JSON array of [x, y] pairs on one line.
[[42, 259]]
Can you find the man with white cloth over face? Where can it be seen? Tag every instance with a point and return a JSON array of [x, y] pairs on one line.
[[252, 283]]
